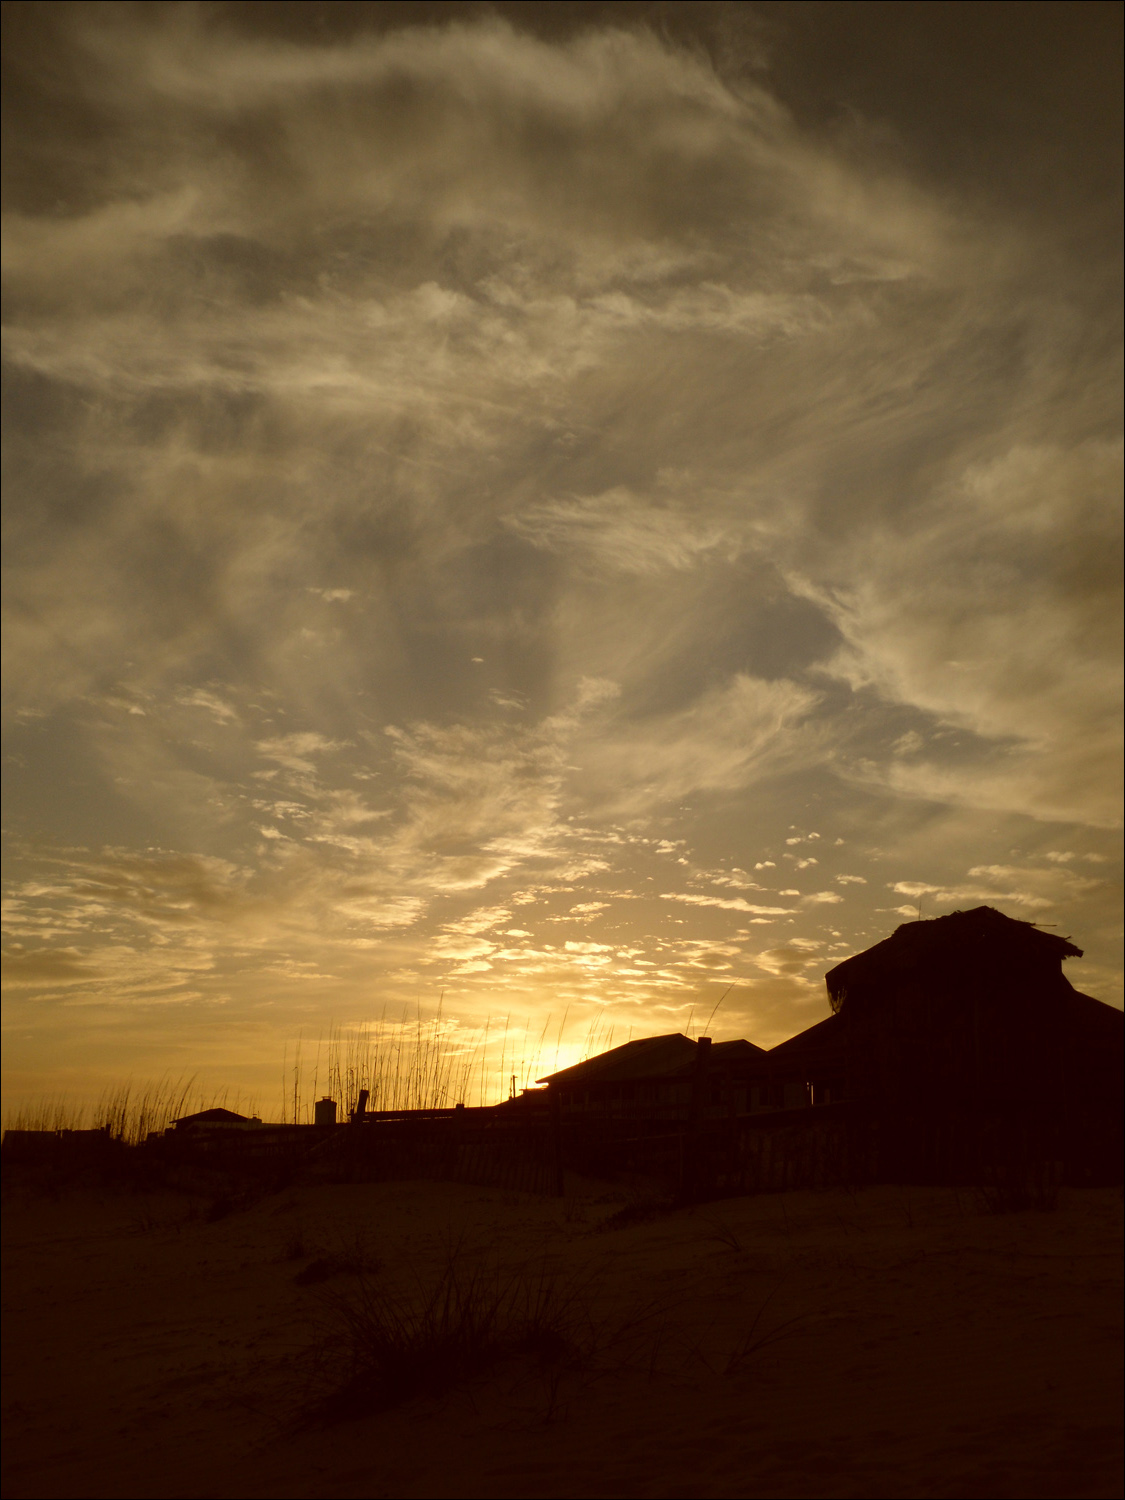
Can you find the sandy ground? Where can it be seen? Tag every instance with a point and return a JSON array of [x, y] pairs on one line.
[[890, 1342]]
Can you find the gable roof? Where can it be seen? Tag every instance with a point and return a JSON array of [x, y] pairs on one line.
[[968, 939], [647, 1057], [727, 1054], [821, 1046], [670, 1056], [214, 1117], [1094, 1019]]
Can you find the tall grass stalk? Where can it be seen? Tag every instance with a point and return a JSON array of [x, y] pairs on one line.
[[418, 1062], [128, 1112], [411, 1061]]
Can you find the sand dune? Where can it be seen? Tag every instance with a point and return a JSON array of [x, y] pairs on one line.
[[890, 1342]]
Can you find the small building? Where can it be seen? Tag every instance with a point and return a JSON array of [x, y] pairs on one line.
[[667, 1077], [215, 1119]]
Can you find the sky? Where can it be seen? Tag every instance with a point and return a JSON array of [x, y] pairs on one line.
[[575, 514]]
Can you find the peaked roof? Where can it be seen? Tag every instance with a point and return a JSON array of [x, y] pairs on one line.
[[822, 1045], [652, 1057], [1100, 1022], [647, 1057], [726, 1053], [966, 938], [214, 1117]]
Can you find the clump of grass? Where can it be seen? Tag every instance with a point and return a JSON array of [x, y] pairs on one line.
[[318, 1270], [387, 1348], [758, 1337], [130, 1113], [226, 1203], [350, 1256], [127, 1113], [724, 1234], [1013, 1190], [641, 1211], [54, 1113], [296, 1247]]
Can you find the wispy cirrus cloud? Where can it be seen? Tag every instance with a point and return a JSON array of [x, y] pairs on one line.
[[482, 474], [725, 903]]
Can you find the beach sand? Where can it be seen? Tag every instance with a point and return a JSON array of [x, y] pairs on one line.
[[886, 1342]]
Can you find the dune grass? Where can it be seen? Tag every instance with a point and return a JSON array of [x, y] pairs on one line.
[[1020, 1187], [382, 1348], [471, 1318], [414, 1061], [128, 1112], [408, 1061]]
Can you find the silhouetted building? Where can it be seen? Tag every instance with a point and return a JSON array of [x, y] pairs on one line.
[[965, 1012], [216, 1119], [670, 1076], [810, 1068], [971, 1010]]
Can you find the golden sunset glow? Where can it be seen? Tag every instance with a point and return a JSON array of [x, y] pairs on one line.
[[539, 523]]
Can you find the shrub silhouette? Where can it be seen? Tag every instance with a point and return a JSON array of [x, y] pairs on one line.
[[385, 1348]]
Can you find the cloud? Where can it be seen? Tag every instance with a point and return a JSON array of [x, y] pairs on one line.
[[137, 927], [31, 969], [989, 893], [484, 919], [754, 481], [158, 887], [374, 908], [618, 532], [789, 960], [725, 903], [451, 945], [724, 740], [1062, 857], [1008, 633], [477, 804], [295, 751], [476, 62], [211, 703]]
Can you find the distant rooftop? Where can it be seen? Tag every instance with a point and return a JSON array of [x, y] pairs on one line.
[[214, 1117], [668, 1056]]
